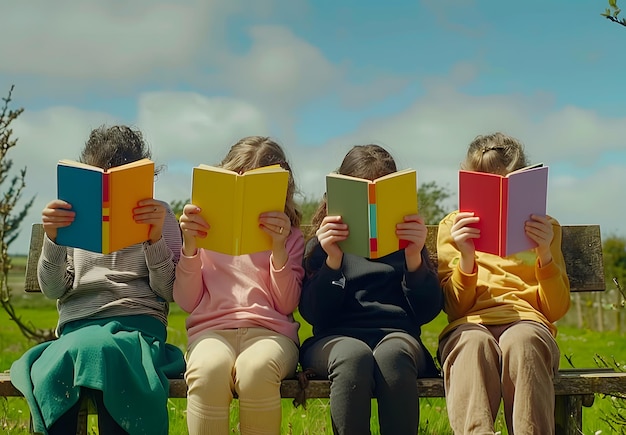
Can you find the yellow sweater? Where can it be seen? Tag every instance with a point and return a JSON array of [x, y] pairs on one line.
[[502, 290]]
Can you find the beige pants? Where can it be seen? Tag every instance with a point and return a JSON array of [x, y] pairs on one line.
[[249, 361], [483, 364]]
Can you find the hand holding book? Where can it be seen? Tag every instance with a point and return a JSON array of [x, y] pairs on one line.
[[540, 230], [277, 225], [56, 214], [150, 212], [414, 231], [193, 227], [332, 231]]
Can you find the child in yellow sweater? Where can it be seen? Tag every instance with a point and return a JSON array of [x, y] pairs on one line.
[[501, 313]]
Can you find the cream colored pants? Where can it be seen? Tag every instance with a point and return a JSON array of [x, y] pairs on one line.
[[483, 364], [248, 361]]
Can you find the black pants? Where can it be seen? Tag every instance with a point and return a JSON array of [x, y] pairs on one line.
[[357, 373]]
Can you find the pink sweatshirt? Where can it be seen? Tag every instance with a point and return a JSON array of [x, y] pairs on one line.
[[226, 292]]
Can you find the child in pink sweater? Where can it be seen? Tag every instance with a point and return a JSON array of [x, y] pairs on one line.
[[241, 334]]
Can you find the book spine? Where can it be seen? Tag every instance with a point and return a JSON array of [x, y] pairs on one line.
[[106, 213], [373, 225], [238, 215], [504, 207]]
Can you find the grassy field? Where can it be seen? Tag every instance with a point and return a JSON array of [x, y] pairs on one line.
[[582, 348]]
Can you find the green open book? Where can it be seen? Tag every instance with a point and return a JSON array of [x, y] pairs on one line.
[[371, 209]]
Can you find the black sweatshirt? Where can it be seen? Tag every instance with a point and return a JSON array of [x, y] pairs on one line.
[[367, 298]]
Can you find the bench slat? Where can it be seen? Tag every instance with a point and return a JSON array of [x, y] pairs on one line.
[[31, 284], [582, 251], [568, 383]]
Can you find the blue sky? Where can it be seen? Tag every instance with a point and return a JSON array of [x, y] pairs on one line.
[[421, 78]]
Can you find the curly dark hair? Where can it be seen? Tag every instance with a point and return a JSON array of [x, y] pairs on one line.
[[111, 146]]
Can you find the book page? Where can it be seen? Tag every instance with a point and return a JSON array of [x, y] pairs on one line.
[[481, 193], [348, 197], [216, 169], [396, 197], [527, 194], [262, 191], [215, 192], [66, 162], [128, 184], [525, 168], [270, 168], [81, 186], [395, 174]]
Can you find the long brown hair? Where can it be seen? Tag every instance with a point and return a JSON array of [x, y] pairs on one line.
[[255, 152]]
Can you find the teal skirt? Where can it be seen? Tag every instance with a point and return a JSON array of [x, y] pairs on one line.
[[126, 358]]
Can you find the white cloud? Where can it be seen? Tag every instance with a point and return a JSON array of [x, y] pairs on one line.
[[438, 127], [186, 129], [93, 40], [592, 199], [191, 127], [280, 69], [578, 134]]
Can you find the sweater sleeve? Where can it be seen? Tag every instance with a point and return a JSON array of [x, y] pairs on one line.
[[459, 289], [162, 256], [323, 289], [188, 286], [286, 283], [422, 290], [55, 271], [554, 286]]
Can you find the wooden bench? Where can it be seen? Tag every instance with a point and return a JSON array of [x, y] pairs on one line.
[[582, 249]]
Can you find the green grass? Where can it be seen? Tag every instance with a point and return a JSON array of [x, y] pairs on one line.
[[580, 346]]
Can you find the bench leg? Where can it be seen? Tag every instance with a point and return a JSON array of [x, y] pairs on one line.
[[568, 413], [83, 415]]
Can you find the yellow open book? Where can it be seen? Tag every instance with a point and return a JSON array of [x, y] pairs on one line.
[[231, 204]]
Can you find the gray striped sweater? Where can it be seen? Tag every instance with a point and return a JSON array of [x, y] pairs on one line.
[[137, 280]]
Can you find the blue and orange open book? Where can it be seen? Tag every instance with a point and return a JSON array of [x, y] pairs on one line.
[[504, 204], [372, 209], [103, 202]]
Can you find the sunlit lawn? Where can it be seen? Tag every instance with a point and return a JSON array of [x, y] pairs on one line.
[[580, 346]]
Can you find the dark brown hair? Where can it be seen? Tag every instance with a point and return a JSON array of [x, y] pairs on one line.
[[363, 161]]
